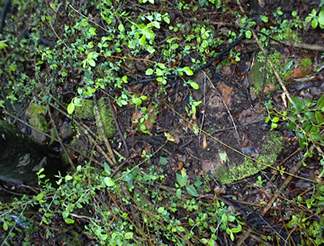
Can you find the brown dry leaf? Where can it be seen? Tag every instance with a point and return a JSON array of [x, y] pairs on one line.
[[250, 115], [172, 137], [180, 165], [210, 166], [269, 88], [136, 116], [226, 92], [204, 142], [152, 113], [299, 72]]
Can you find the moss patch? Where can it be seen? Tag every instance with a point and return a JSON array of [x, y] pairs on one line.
[[106, 118], [270, 150], [36, 114], [86, 110], [261, 74]]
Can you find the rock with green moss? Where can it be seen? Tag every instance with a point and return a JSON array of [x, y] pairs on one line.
[[36, 118], [104, 122], [261, 74], [85, 109], [106, 118], [270, 150]]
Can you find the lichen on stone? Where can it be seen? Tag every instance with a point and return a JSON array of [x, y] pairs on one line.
[[270, 150]]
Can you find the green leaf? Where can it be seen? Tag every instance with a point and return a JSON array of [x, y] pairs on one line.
[[163, 161], [149, 71], [70, 108], [193, 84], [91, 62], [109, 182], [192, 190], [236, 229], [188, 71], [3, 44], [5, 226], [121, 27], [69, 221], [107, 168], [319, 117], [137, 101], [129, 235], [321, 18], [68, 178], [275, 119], [264, 18], [314, 23], [299, 103], [156, 24], [182, 179], [248, 34], [320, 103], [178, 193]]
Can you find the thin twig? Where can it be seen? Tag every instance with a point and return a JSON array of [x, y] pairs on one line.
[[237, 135], [204, 106], [60, 140], [101, 128], [118, 127], [87, 131], [84, 16], [185, 121], [49, 136], [273, 199]]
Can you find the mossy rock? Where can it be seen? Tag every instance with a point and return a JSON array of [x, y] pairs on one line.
[[86, 110], [261, 73], [36, 114], [107, 120], [269, 153], [36, 118]]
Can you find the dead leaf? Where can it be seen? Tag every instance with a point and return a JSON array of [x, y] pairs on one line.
[[250, 115], [136, 116], [172, 137], [299, 72], [269, 88], [208, 166], [152, 115], [180, 165], [204, 142], [226, 93]]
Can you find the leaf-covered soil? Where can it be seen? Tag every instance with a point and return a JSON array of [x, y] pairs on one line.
[[217, 112]]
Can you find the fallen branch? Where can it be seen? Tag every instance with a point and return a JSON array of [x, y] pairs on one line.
[[273, 199]]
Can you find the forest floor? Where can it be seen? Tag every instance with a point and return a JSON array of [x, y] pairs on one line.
[[179, 122]]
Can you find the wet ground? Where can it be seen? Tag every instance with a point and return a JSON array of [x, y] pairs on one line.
[[227, 140]]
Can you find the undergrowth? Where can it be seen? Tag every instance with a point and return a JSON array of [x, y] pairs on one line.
[[105, 46]]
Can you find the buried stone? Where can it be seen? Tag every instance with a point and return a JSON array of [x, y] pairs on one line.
[[21, 158], [269, 152], [104, 123]]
